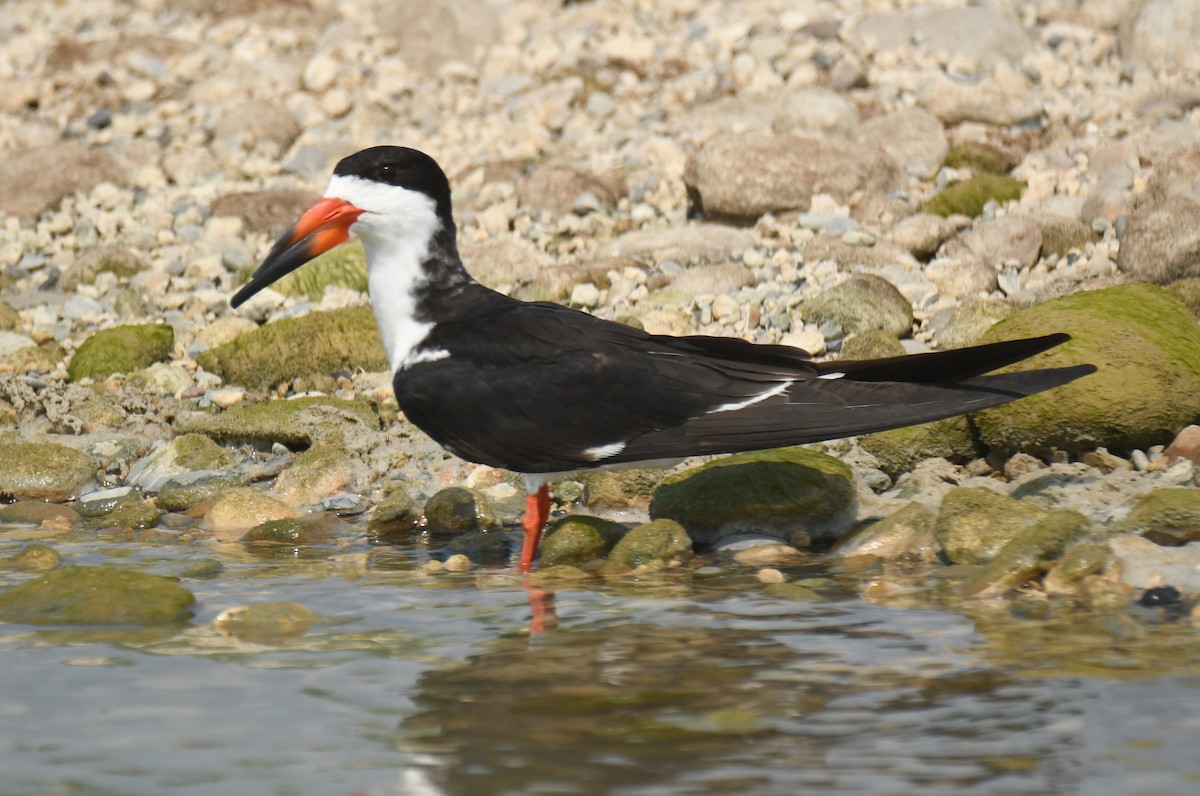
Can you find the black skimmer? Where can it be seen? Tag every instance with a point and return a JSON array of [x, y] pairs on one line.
[[542, 389]]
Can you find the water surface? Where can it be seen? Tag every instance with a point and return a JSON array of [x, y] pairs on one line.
[[700, 684]]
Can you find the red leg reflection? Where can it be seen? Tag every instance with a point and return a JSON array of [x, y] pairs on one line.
[[541, 604]]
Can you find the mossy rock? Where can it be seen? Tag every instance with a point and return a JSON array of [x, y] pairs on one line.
[[297, 531], [298, 422], [1028, 555], [1078, 562], [970, 321], [1187, 291], [395, 520], [190, 489], [344, 266], [44, 470], [34, 558], [1168, 517], [97, 596], [862, 302], [1146, 346], [122, 349], [311, 347], [457, 509], [266, 623], [9, 318], [777, 492], [975, 523], [132, 512], [899, 450], [870, 344], [1061, 234], [605, 490], [38, 512], [578, 539], [650, 546], [980, 158], [969, 196], [183, 454]]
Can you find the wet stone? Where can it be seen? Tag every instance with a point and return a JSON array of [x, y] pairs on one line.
[[189, 489], [98, 504], [266, 623], [395, 519], [44, 471], [97, 596], [131, 512], [649, 547], [38, 512], [975, 523], [235, 511], [34, 558], [291, 531], [578, 539], [1027, 555], [1077, 563], [487, 548], [906, 534], [1166, 516], [458, 509], [776, 491]]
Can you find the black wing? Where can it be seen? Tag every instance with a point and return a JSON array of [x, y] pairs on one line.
[[536, 387]]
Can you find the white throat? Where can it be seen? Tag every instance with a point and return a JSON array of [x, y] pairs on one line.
[[397, 229]]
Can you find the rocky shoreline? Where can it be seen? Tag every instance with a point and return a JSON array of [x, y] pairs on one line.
[[856, 179]]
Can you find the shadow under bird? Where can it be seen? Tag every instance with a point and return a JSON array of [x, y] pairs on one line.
[[542, 389]]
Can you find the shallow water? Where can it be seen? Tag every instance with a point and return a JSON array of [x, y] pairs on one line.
[[700, 684]]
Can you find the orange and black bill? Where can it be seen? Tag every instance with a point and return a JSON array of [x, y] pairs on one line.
[[324, 226]]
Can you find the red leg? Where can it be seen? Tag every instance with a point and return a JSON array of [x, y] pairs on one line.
[[537, 511]]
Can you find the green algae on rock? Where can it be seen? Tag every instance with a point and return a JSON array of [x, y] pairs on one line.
[[654, 545], [604, 490], [298, 422], [395, 519], [980, 158], [132, 512], [577, 539], [325, 469], [969, 196], [457, 509], [235, 511], [311, 347], [970, 320], [38, 512], [777, 491], [1078, 562], [97, 596], [1146, 346], [291, 531], [121, 349], [44, 470], [1168, 517], [266, 623], [870, 344], [1027, 555], [975, 523], [185, 490], [185, 453], [898, 450], [34, 558]]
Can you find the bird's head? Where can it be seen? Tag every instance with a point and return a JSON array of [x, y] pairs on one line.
[[385, 195]]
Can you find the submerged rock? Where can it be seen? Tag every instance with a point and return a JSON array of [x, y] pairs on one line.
[[577, 539], [181, 456], [44, 471], [778, 492], [122, 349], [34, 558], [39, 513], [265, 623], [1146, 346], [649, 547], [291, 531], [97, 596], [310, 347]]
